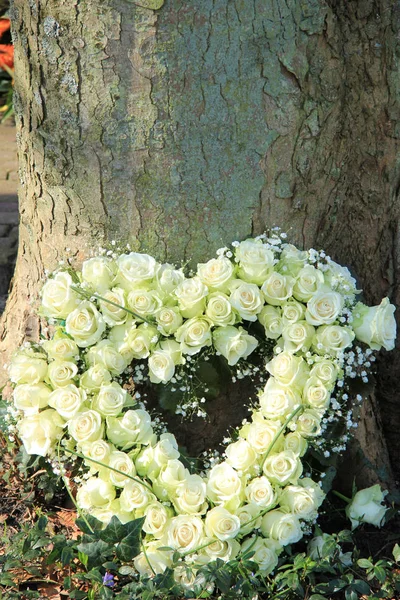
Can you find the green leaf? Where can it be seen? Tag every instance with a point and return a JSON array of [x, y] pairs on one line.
[[129, 546], [98, 551], [350, 594], [114, 532], [317, 597], [67, 554], [362, 587], [94, 524], [364, 563], [396, 553], [167, 399], [327, 481], [126, 570], [223, 580], [328, 548], [380, 574]]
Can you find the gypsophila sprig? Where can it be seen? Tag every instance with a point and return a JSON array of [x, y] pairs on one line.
[[126, 319]]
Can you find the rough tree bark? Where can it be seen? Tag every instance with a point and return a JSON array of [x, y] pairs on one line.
[[181, 126]]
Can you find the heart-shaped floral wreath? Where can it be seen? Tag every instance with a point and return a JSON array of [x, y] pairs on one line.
[[124, 317]]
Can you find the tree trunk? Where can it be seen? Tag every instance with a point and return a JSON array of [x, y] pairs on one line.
[[181, 126]]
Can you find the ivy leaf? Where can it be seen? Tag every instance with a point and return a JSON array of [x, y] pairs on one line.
[[94, 523], [167, 399], [98, 551], [114, 532], [129, 546]]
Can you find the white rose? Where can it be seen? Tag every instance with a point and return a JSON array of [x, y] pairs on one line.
[[224, 486], [153, 562], [375, 326], [184, 532], [61, 348], [295, 443], [105, 354], [282, 527], [166, 449], [220, 523], [302, 500], [133, 428], [366, 507], [28, 366], [99, 272], [118, 336], [260, 433], [219, 310], [39, 432], [191, 294], [326, 371], [168, 278], [240, 455], [297, 336], [255, 261], [157, 518], [121, 462], [194, 335], [277, 288], [260, 491], [142, 340], [145, 463], [265, 553], [190, 496], [135, 269], [100, 451], [108, 511], [110, 400], [67, 400], [332, 339], [86, 426], [223, 549], [92, 379], [61, 373], [169, 479], [169, 319], [293, 311], [112, 314], [283, 467], [316, 394], [135, 496], [161, 366], [233, 343], [308, 282], [288, 370], [58, 297], [292, 260], [31, 398], [324, 308], [271, 319], [85, 324], [277, 400], [144, 302], [308, 424], [246, 299], [95, 492], [216, 273], [249, 516]]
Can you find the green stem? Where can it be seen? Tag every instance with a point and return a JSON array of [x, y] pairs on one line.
[[339, 495], [88, 295], [279, 433], [147, 559], [70, 494], [97, 462]]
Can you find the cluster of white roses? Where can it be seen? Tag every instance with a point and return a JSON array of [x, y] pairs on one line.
[[136, 308]]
